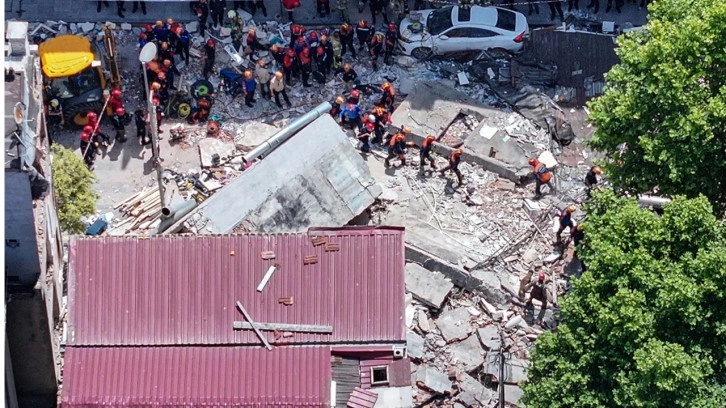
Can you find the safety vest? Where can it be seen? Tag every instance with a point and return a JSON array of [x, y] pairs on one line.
[[397, 138]]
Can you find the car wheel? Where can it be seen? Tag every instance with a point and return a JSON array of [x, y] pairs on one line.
[[421, 53]]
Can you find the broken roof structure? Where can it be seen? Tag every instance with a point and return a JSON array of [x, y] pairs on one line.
[[314, 178], [153, 321]]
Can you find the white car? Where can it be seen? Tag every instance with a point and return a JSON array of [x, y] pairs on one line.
[[453, 29]]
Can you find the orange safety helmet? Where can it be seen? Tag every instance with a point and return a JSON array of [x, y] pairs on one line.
[[248, 74], [541, 276], [405, 130], [339, 100], [571, 209], [457, 152], [532, 161]]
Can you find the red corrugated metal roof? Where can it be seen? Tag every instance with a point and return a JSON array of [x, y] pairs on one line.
[[181, 290], [196, 376], [361, 398]]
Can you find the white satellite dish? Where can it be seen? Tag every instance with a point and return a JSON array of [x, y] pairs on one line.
[[19, 113]]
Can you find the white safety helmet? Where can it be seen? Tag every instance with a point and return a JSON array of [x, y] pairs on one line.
[[371, 118], [54, 103], [231, 14]]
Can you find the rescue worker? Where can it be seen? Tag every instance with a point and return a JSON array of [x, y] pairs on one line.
[[95, 130], [326, 55], [350, 77], [342, 7], [289, 64], [376, 49], [578, 238], [159, 115], [391, 40], [55, 110], [337, 50], [290, 6], [313, 40], [299, 45], [143, 40], [173, 38], [541, 174], [202, 10], [262, 75], [165, 52], [454, 161], [306, 66], [378, 6], [115, 102], [363, 32], [354, 97], [182, 47], [149, 31], [346, 39], [425, 152], [141, 118], [565, 221], [591, 179], [296, 31], [383, 117], [160, 31], [388, 97], [323, 7], [201, 115], [278, 53], [88, 149], [537, 290], [218, 8], [397, 147], [364, 137], [527, 279], [118, 121], [248, 86], [277, 87], [350, 116], [336, 106], [208, 58], [253, 42], [238, 26]]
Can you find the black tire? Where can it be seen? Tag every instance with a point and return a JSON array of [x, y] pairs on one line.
[[75, 116], [422, 53]]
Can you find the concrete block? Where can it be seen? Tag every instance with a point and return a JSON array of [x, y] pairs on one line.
[[454, 324], [516, 321], [468, 353], [471, 385], [87, 27], [512, 394], [414, 345], [515, 371], [429, 378], [489, 337], [192, 27], [126, 26], [423, 321], [251, 134], [210, 146], [431, 288], [393, 397]]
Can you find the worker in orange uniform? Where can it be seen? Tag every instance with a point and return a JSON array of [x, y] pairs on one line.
[[389, 96], [397, 147], [454, 161], [383, 118], [425, 152], [565, 222], [541, 174]]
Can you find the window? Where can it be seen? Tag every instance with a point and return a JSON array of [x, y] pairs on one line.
[[439, 20], [379, 375], [76, 85], [457, 33], [481, 33], [506, 19]]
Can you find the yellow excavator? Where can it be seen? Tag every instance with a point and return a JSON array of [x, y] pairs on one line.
[[73, 74]]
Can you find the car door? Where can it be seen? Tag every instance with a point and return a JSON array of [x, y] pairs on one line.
[[451, 40], [481, 39]]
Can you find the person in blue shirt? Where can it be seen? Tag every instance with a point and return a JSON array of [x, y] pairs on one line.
[[182, 46], [160, 31], [350, 114], [565, 221], [248, 86]]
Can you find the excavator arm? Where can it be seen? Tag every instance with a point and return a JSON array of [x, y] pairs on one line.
[[112, 58]]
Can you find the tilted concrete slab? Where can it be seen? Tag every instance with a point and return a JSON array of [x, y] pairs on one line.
[[431, 107], [316, 178], [431, 288]]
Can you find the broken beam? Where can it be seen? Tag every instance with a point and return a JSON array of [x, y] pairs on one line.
[[298, 328], [251, 323], [267, 277]]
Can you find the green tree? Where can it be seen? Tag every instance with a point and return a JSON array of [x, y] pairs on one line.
[[73, 184], [661, 121], [645, 326]]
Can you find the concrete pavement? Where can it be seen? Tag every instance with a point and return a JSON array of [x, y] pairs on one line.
[[85, 10]]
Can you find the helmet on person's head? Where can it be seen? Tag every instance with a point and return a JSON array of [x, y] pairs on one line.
[[156, 101], [339, 100], [313, 35], [92, 116], [210, 42], [372, 118], [431, 137], [392, 26], [532, 161], [300, 40], [405, 130], [116, 93], [379, 37], [231, 14], [385, 85], [354, 93], [458, 152], [580, 227], [248, 74], [541, 276], [142, 36], [290, 52], [345, 26], [362, 23], [571, 209], [370, 126], [54, 103], [120, 111], [597, 170], [85, 136], [88, 129], [148, 27]]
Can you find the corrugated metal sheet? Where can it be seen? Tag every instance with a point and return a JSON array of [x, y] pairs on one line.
[[181, 290], [316, 178], [578, 55], [196, 376], [361, 398]]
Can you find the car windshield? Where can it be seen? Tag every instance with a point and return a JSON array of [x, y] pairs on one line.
[[76, 85], [439, 20]]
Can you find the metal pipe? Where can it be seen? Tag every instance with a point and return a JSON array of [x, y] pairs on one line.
[[170, 215], [155, 148], [287, 132], [653, 201]]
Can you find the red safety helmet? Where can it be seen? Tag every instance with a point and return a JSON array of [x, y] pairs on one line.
[[120, 111], [161, 75], [142, 36], [116, 93], [300, 40], [391, 26], [370, 126], [88, 129], [148, 27], [541, 276], [313, 35], [532, 161], [354, 93], [290, 52], [210, 42], [92, 116], [156, 101], [85, 136]]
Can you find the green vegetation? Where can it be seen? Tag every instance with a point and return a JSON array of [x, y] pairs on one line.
[[73, 184]]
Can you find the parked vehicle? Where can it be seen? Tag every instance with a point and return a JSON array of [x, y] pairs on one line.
[[454, 29]]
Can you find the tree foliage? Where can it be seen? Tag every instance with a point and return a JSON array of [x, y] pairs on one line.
[[662, 119], [73, 184], [645, 326]]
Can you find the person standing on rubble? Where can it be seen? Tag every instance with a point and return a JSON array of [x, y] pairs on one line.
[[541, 175], [289, 64], [391, 40], [306, 66], [88, 149], [354, 97], [363, 32], [326, 54], [262, 74], [218, 9], [565, 222], [388, 97], [182, 48], [346, 39], [350, 77], [337, 50], [141, 118], [364, 137], [209, 55], [537, 290], [248, 86], [336, 106], [350, 116], [527, 279], [578, 238], [397, 147], [591, 179], [425, 153], [202, 10], [383, 117], [160, 32], [375, 49], [454, 161], [277, 87], [296, 31], [278, 53]]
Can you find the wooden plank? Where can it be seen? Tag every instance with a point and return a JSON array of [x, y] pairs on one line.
[[252, 325], [331, 247], [297, 328]]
